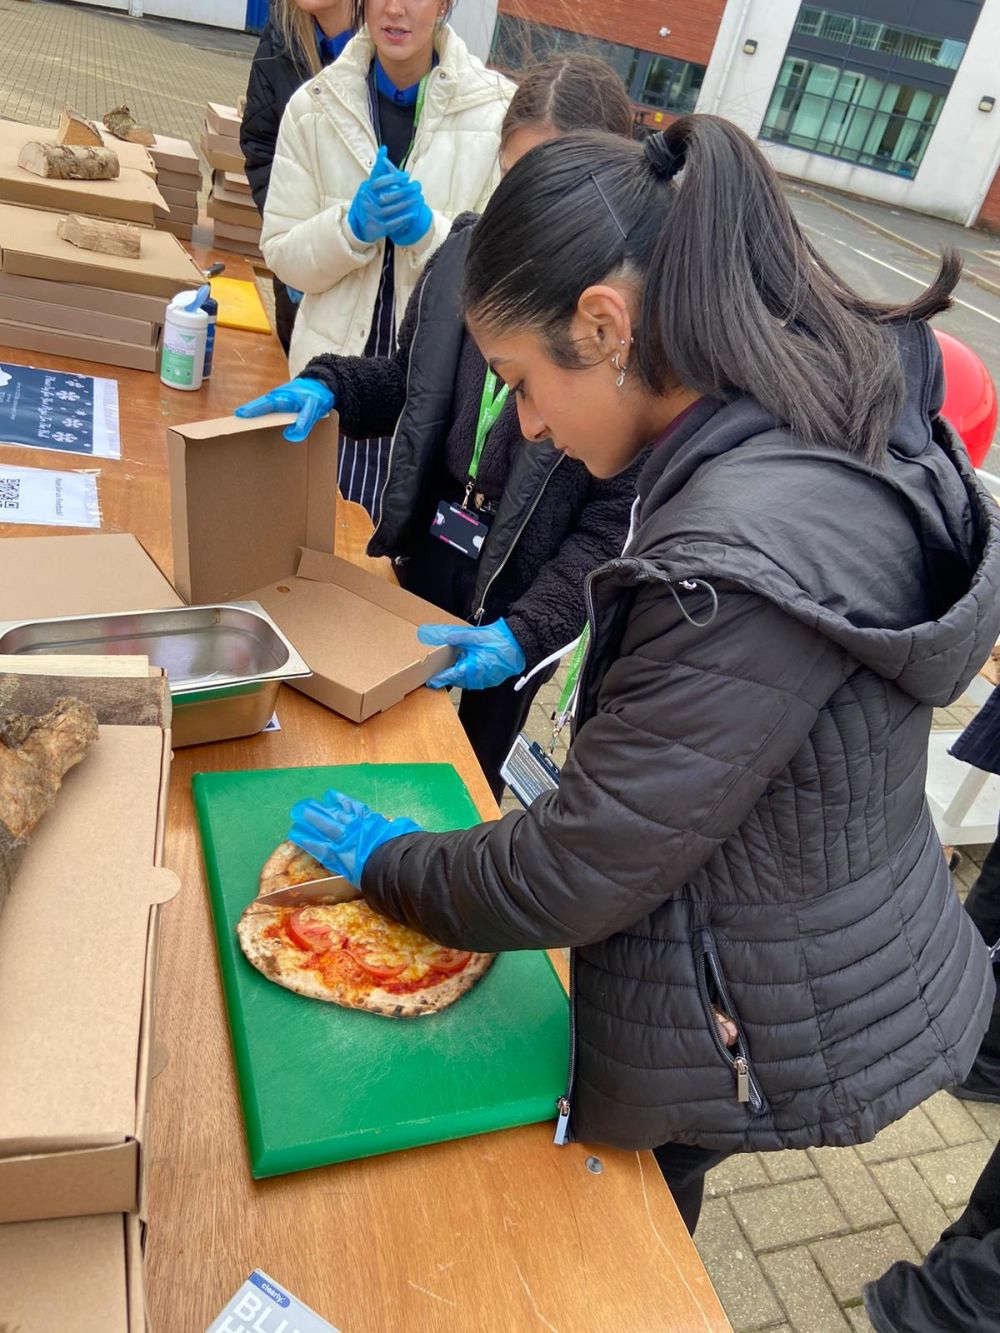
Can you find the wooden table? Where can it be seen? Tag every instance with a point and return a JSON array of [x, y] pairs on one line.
[[496, 1233]]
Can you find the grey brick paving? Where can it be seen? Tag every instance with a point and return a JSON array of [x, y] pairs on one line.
[[877, 1203], [803, 1291]]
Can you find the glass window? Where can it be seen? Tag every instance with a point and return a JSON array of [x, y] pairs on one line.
[[851, 115], [664, 84], [833, 26]]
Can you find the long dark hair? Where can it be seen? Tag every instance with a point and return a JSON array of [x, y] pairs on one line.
[[569, 92], [734, 298]]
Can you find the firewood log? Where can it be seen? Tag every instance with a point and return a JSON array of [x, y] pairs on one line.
[[107, 238], [67, 162], [35, 753], [76, 129]]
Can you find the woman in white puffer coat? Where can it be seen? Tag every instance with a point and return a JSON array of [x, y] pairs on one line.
[[375, 158]]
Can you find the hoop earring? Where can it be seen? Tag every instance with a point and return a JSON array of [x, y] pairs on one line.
[[616, 361]]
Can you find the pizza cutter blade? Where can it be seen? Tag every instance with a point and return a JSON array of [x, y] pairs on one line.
[[314, 893]]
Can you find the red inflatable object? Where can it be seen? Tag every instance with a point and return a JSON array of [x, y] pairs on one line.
[[970, 397]]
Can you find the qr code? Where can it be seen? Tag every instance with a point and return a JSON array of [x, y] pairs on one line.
[[10, 492]]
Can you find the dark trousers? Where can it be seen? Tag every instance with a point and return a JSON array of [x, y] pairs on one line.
[[284, 314], [957, 1287], [983, 906], [683, 1168]]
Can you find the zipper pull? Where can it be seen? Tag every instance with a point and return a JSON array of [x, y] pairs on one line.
[[995, 953], [562, 1124], [742, 1079], [477, 618]]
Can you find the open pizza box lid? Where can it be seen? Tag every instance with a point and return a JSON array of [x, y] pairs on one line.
[[91, 1266], [78, 946], [254, 516]]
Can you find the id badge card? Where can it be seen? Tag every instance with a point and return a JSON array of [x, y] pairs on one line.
[[528, 771], [460, 528]]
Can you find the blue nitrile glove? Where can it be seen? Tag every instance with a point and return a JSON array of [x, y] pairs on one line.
[[294, 295], [415, 224], [341, 833], [311, 399], [487, 655], [386, 197]]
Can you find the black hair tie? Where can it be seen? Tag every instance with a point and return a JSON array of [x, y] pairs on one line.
[[663, 157]]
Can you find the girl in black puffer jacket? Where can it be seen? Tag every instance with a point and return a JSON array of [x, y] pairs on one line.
[[300, 38], [545, 521]]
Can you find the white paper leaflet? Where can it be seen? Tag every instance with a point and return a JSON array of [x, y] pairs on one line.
[[56, 499], [260, 1306]]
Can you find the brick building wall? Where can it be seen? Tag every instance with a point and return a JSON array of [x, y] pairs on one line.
[[989, 214], [693, 24]]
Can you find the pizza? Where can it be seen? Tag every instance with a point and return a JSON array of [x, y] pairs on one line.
[[349, 954]]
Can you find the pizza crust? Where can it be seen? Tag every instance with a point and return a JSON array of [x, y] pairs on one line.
[[265, 954], [288, 865]]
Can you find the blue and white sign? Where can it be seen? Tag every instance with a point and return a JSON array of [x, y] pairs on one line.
[[53, 409], [261, 1306]]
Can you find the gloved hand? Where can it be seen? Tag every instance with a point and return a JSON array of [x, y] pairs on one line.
[[487, 655], [416, 223], [311, 399], [342, 833], [294, 295], [382, 201]]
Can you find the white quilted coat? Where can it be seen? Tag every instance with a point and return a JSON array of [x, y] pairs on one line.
[[326, 148]]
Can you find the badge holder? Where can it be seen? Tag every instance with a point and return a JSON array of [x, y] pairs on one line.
[[528, 771], [456, 524]]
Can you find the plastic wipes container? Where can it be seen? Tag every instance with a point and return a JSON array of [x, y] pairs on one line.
[[185, 333]]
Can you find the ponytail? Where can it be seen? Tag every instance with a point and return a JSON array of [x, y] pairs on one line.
[[734, 298]]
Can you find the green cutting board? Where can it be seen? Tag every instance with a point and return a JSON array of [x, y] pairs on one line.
[[323, 1084]]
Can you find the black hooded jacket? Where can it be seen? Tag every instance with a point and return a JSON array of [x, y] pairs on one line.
[[276, 73], [741, 822]]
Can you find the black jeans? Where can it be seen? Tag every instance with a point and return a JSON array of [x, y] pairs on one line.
[[957, 1287], [683, 1168], [983, 906]]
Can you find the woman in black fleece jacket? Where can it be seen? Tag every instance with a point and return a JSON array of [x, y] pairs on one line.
[[549, 522]]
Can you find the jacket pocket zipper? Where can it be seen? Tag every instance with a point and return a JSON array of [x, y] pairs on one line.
[[737, 1057], [563, 1104]]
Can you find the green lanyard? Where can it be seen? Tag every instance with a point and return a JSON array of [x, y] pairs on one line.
[[573, 674], [490, 407], [418, 111]]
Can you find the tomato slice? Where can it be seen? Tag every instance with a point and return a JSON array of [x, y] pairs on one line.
[[312, 936], [383, 966], [449, 960]]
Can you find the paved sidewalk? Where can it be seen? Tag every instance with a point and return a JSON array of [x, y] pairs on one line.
[[165, 72]]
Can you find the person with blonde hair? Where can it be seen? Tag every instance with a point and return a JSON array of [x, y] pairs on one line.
[[301, 37], [375, 158]]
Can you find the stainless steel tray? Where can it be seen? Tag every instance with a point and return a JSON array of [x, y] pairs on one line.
[[224, 663]]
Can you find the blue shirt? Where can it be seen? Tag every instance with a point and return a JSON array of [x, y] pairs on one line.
[[401, 96], [331, 47]]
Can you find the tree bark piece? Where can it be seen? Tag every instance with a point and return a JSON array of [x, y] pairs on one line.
[[107, 238], [35, 754], [67, 162], [123, 125], [76, 129]]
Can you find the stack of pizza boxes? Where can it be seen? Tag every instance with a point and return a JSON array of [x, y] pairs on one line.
[[230, 204], [79, 934], [178, 175], [61, 297]]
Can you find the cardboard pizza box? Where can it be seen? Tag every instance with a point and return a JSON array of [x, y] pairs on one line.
[[236, 181], [102, 572], [30, 247], [75, 1041], [223, 120], [184, 213], [221, 152], [174, 155], [242, 215], [81, 346], [78, 1275], [135, 156], [131, 197], [186, 198], [124, 305], [357, 632], [176, 180], [72, 319]]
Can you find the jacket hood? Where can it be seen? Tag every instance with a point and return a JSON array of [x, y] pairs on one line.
[[899, 566]]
